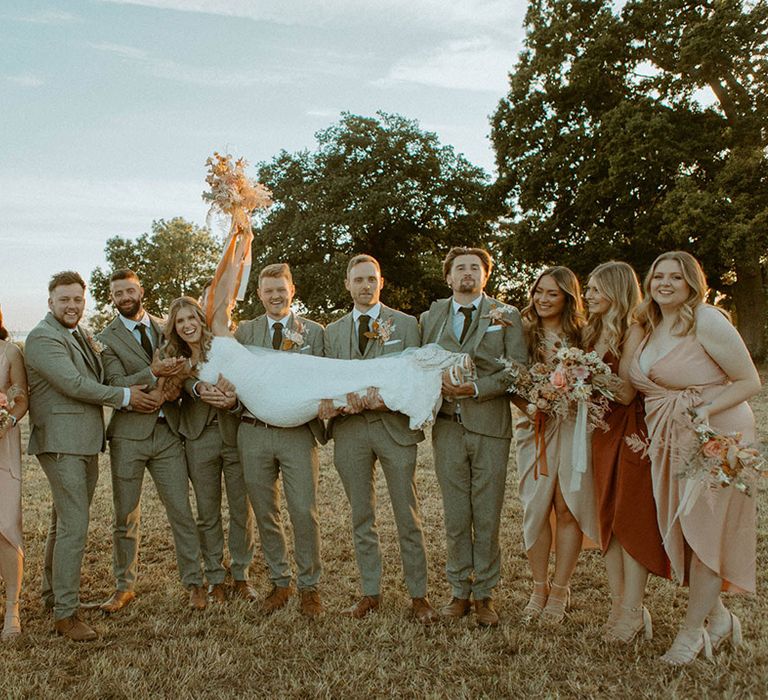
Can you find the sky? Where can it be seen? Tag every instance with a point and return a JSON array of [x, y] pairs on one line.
[[109, 108]]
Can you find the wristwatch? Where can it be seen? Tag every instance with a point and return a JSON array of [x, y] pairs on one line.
[[13, 421]]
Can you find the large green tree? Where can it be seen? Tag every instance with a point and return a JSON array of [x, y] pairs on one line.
[[376, 185], [176, 258], [626, 133]]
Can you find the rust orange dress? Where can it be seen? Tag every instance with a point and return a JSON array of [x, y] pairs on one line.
[[624, 487]]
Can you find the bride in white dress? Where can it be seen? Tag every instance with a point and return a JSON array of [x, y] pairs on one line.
[[280, 388]]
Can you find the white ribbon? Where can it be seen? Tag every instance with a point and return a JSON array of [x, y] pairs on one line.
[[579, 453]]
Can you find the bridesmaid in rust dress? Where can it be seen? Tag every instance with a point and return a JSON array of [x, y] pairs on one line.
[[629, 531], [692, 358], [13, 381]]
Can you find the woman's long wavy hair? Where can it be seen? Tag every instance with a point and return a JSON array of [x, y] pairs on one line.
[[649, 314], [175, 345], [618, 283], [3, 332], [572, 319]]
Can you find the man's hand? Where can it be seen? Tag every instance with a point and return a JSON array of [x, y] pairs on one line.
[[355, 404], [457, 391], [168, 366], [213, 396], [327, 410], [373, 400], [142, 401], [224, 385]]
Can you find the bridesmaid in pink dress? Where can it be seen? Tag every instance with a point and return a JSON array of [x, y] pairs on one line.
[[693, 358], [12, 374], [629, 530]]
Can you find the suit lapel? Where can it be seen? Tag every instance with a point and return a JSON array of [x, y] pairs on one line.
[[91, 363], [477, 327], [125, 336], [348, 342], [261, 332], [90, 355], [438, 316]]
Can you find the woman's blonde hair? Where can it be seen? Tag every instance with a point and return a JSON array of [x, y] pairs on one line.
[[649, 314], [572, 317], [618, 283], [175, 345]]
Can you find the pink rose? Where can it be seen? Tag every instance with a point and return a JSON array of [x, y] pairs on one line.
[[581, 372], [557, 379], [712, 448]]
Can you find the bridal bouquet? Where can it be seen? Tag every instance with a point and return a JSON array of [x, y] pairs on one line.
[[232, 191], [6, 406], [724, 459]]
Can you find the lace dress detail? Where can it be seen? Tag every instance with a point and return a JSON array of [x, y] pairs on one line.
[[284, 389]]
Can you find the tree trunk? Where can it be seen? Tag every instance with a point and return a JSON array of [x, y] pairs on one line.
[[749, 298]]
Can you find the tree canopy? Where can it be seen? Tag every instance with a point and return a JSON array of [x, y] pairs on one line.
[[373, 185], [608, 146], [176, 258]]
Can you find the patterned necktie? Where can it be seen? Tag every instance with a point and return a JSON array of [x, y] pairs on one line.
[[362, 329], [467, 311], [146, 343], [277, 335]]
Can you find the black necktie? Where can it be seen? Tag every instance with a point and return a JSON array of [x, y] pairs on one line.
[[81, 342], [362, 329], [277, 335], [146, 343], [467, 311]]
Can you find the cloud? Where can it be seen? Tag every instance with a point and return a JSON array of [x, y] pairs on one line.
[[436, 14], [48, 17], [479, 64], [208, 76], [25, 80]]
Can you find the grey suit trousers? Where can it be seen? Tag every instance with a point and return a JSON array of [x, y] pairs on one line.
[[163, 455], [471, 470], [208, 458], [357, 445], [265, 454], [73, 482]]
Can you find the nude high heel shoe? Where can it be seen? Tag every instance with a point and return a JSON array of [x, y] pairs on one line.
[[554, 610], [687, 646], [628, 626], [536, 602], [733, 634]]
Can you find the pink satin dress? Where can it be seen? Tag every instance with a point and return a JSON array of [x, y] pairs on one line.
[[720, 527], [10, 469]]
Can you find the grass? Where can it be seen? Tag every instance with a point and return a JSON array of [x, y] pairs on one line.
[[159, 648]]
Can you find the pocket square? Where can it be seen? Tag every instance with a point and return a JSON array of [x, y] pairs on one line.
[[305, 348], [392, 342], [493, 329]]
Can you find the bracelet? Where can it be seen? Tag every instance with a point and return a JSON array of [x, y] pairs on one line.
[[14, 420]]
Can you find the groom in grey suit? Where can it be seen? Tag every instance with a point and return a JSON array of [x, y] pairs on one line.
[[367, 431], [67, 392], [141, 442], [472, 433], [267, 451]]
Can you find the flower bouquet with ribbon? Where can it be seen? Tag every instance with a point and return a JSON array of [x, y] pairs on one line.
[[6, 406], [574, 384], [233, 197], [720, 460]]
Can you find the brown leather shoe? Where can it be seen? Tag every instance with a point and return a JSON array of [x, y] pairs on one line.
[[423, 611], [217, 593], [198, 597], [485, 612], [117, 602], [311, 605], [277, 598], [458, 607], [367, 604], [75, 629], [244, 591]]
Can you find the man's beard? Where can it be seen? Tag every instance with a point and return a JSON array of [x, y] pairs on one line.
[[467, 286], [130, 311]]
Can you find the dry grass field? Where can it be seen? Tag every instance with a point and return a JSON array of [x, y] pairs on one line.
[[159, 648]]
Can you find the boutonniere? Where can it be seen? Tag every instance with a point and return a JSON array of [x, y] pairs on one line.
[[381, 330], [294, 337], [499, 315], [97, 346]]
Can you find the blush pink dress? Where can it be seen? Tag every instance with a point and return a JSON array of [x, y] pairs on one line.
[[720, 527], [10, 469]]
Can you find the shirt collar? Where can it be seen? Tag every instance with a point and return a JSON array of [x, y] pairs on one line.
[[373, 313], [456, 306], [284, 320], [130, 324]]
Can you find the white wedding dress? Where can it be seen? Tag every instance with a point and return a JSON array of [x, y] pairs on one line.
[[284, 388]]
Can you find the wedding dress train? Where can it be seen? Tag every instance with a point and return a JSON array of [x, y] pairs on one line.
[[284, 389]]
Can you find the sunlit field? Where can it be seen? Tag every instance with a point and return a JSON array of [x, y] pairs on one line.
[[157, 647]]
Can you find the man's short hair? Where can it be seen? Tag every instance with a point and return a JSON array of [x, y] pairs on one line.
[[361, 258], [276, 270], [453, 253], [63, 278], [124, 274]]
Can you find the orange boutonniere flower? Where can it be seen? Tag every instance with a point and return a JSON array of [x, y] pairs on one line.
[[295, 337], [381, 330], [499, 315]]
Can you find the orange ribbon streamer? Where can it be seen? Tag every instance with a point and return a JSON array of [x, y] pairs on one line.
[[540, 442], [228, 260]]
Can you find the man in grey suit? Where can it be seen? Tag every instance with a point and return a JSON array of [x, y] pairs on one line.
[[145, 441], [367, 431], [267, 451], [67, 392], [472, 433]]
